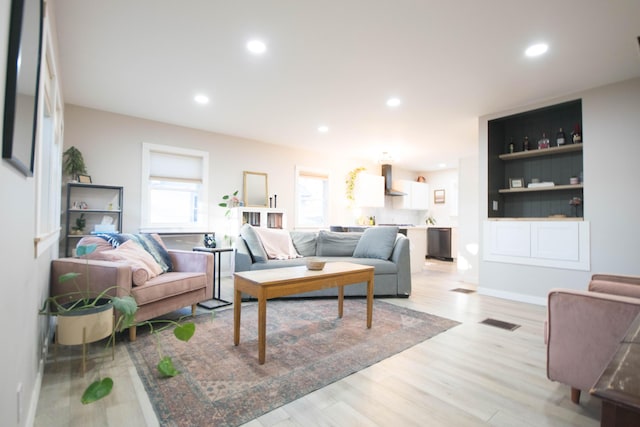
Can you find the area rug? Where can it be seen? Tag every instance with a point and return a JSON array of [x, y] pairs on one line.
[[308, 347]]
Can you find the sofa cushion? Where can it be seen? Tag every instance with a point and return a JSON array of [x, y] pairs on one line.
[[304, 242], [331, 243], [376, 242], [168, 285], [251, 238], [143, 265]]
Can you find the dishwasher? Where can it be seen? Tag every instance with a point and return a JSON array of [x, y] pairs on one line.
[[439, 243]]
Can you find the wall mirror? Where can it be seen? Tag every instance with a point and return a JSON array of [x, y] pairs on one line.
[[255, 189], [21, 90]]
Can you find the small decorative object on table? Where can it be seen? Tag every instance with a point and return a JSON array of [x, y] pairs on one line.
[[315, 263], [209, 240]]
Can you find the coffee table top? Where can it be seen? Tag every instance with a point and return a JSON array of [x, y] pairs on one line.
[[285, 274]]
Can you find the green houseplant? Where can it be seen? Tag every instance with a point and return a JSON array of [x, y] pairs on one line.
[[73, 163], [229, 201], [76, 309]]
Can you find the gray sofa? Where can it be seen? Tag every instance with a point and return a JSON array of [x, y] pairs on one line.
[[392, 274]]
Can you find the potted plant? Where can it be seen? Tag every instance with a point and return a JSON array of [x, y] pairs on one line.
[[229, 201], [73, 163], [84, 317], [81, 223]]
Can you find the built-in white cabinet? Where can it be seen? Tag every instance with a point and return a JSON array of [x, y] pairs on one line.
[[417, 195], [417, 247], [260, 217], [558, 244], [369, 191]]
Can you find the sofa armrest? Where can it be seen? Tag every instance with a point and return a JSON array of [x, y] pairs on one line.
[[243, 258], [584, 331], [615, 284], [194, 262], [401, 257], [95, 277]]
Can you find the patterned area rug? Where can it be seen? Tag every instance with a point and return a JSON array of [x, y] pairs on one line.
[[308, 347]]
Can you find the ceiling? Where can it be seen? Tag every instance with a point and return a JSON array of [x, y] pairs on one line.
[[336, 62]]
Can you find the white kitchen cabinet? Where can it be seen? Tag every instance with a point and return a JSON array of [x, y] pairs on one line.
[[417, 195], [417, 247]]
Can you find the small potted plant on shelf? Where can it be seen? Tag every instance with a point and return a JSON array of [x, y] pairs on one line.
[[84, 317], [73, 163]]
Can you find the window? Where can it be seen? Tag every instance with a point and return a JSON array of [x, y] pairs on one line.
[[312, 198], [174, 188], [48, 159]]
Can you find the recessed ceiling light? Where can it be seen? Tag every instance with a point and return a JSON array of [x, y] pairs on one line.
[[201, 99], [323, 129], [536, 49], [257, 47], [393, 102]]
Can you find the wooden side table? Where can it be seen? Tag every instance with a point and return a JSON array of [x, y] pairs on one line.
[[216, 301]]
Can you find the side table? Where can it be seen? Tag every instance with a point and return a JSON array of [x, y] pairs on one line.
[[217, 301]]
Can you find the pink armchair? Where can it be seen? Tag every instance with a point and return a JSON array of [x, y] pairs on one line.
[[190, 282], [584, 328]]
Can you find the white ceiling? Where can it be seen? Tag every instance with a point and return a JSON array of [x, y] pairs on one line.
[[335, 62]]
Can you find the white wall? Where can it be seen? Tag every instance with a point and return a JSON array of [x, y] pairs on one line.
[[611, 128], [25, 279], [468, 225]]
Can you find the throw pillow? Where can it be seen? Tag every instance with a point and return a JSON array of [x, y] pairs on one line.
[[376, 242], [253, 243], [335, 243], [137, 257], [304, 242]]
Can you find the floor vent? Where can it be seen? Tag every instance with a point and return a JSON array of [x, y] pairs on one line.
[[463, 290], [500, 324]]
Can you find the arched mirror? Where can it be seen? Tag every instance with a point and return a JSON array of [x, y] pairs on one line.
[[21, 90], [255, 189]]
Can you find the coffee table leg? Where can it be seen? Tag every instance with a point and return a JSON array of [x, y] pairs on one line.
[[237, 305], [369, 301], [262, 328]]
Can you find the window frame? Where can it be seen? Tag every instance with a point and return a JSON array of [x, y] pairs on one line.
[[203, 195], [323, 174]]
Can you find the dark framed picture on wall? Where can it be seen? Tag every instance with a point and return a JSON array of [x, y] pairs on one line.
[[438, 196]]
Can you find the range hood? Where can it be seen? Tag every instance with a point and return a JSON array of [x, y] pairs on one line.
[[386, 172]]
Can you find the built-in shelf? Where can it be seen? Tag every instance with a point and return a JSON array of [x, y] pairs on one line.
[[541, 152], [554, 188], [96, 210]]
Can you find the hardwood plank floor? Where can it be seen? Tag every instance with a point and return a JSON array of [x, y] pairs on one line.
[[471, 375]]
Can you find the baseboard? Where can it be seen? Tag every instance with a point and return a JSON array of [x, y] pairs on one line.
[[530, 299], [35, 395]]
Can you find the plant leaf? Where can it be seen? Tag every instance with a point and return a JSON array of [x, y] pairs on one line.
[[225, 197], [67, 276], [166, 367], [185, 331], [97, 390], [127, 306]]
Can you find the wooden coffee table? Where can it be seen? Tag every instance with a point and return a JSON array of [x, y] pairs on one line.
[[280, 282]]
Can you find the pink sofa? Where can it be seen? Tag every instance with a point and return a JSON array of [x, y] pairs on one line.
[[190, 282], [584, 328]]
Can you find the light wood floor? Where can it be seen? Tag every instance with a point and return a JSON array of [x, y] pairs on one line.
[[471, 375]]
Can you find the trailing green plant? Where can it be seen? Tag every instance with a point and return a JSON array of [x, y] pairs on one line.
[[73, 162], [126, 307], [351, 183]]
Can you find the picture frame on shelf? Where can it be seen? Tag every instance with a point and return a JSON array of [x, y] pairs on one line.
[[84, 179], [438, 196], [516, 182]]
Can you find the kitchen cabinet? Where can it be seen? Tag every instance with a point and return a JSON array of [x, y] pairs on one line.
[[417, 195], [417, 247]]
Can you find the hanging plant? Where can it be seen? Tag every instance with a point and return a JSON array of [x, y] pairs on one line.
[[351, 183]]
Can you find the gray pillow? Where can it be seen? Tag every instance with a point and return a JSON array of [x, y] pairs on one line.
[[304, 242], [376, 242], [254, 243], [332, 243]]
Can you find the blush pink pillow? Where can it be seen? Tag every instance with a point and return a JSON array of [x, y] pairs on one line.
[[143, 265]]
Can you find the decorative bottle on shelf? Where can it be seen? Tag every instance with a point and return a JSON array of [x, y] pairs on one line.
[[511, 146], [543, 142], [576, 135], [525, 144], [560, 138]]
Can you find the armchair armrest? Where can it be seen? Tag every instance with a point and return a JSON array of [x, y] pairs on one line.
[[194, 262], [615, 284], [584, 331], [401, 256], [95, 276]]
